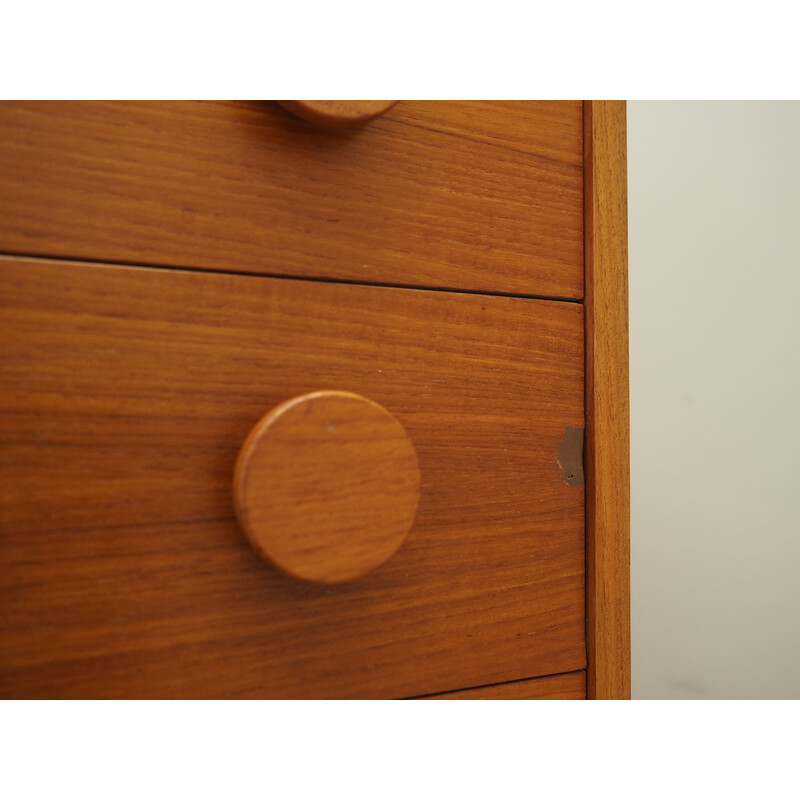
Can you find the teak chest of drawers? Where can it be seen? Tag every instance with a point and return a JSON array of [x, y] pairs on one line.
[[172, 273]]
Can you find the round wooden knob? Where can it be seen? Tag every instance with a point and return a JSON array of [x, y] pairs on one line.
[[327, 486], [337, 113]]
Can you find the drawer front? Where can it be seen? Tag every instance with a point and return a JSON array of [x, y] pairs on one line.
[[484, 196], [571, 686], [127, 394]]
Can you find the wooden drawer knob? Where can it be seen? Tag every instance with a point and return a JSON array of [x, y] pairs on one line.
[[337, 113], [327, 486]]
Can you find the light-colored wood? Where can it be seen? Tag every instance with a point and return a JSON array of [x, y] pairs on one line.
[[338, 113], [125, 398], [607, 403], [327, 486], [571, 686], [484, 196]]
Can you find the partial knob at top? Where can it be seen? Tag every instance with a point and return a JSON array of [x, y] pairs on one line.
[[337, 113], [327, 486]]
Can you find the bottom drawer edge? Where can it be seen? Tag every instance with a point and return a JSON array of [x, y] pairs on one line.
[[566, 686]]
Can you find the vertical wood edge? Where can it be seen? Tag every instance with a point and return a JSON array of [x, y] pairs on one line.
[[607, 401]]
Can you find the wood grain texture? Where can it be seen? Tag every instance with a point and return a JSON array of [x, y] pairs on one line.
[[607, 403], [338, 113], [326, 486], [125, 397], [484, 196], [571, 686]]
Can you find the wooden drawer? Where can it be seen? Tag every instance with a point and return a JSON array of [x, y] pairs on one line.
[[126, 395], [482, 196]]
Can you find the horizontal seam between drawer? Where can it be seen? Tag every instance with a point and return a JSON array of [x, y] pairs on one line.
[[274, 276], [493, 685]]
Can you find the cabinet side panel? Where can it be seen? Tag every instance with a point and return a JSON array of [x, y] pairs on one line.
[[607, 401]]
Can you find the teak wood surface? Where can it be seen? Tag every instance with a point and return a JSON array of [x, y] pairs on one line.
[[125, 398], [571, 686], [481, 196], [607, 454]]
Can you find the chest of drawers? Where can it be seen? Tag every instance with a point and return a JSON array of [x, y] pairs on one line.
[[172, 273]]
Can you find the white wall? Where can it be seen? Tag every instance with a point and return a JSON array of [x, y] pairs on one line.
[[714, 214]]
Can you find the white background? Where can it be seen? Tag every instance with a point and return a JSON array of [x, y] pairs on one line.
[[714, 215], [715, 606]]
